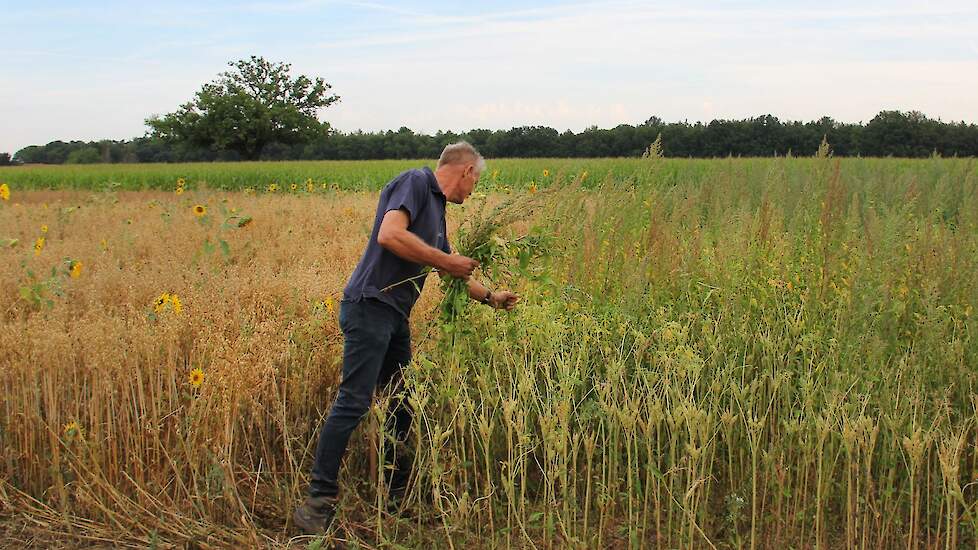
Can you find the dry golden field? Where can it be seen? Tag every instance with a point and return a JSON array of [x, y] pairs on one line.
[[101, 415]]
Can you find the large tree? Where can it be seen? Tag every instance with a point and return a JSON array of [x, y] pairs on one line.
[[243, 110]]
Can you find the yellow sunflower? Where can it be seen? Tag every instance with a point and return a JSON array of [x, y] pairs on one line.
[[273, 188], [44, 228], [176, 303], [72, 431], [533, 187], [179, 191], [4, 192], [293, 187], [38, 246], [546, 173], [200, 210], [75, 269], [196, 377], [161, 302], [181, 182]]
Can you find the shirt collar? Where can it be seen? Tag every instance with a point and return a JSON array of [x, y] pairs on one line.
[[433, 181]]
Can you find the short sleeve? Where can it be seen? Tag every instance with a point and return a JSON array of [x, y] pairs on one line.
[[408, 194], [445, 247]]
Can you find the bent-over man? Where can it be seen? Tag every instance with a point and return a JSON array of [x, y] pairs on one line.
[[409, 234]]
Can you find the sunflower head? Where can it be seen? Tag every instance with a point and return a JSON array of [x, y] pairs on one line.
[[546, 173], [72, 431], [196, 377], [179, 190], [75, 269], [200, 210], [38, 246], [293, 187], [176, 303], [4, 192], [44, 228], [533, 187], [161, 302], [181, 182]]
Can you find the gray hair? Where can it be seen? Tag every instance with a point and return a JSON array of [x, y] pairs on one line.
[[461, 152]]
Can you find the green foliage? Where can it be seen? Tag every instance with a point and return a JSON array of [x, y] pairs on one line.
[[38, 291], [890, 133], [86, 155], [768, 353], [479, 239], [257, 104]]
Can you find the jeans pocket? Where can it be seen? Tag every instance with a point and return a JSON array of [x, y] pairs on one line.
[[344, 316]]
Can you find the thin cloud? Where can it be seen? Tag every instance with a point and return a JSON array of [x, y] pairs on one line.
[[594, 22]]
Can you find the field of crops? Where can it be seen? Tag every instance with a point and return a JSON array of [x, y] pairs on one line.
[[736, 353]]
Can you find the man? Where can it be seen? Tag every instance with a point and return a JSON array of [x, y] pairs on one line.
[[409, 233]]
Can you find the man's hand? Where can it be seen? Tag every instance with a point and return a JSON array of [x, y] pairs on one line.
[[503, 299], [459, 266]]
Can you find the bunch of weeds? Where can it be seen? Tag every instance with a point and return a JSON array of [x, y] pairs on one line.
[[478, 238]]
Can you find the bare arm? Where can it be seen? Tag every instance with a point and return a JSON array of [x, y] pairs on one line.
[[395, 237]]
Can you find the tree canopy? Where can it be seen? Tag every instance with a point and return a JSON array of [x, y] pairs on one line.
[[256, 104], [890, 133]]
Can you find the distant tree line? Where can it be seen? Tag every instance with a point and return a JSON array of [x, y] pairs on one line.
[[890, 133]]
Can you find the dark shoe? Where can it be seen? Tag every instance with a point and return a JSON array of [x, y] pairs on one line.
[[315, 515]]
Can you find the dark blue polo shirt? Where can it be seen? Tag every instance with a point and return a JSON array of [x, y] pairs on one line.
[[417, 193]]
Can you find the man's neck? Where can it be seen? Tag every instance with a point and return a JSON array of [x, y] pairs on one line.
[[441, 177]]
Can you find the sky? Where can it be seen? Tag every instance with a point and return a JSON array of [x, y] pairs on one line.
[[97, 70]]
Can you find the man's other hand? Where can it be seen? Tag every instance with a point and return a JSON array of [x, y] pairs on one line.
[[503, 299]]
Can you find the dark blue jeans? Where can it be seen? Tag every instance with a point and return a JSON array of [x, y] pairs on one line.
[[377, 345]]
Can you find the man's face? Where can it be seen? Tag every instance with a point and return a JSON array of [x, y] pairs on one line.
[[467, 180]]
